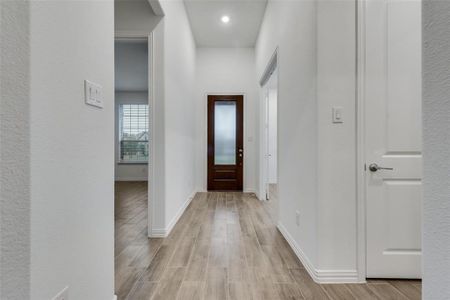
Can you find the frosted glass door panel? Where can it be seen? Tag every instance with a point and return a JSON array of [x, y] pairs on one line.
[[225, 133]]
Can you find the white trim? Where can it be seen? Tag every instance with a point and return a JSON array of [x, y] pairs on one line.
[[272, 65], [158, 233], [131, 179], [156, 7], [360, 144], [151, 123], [319, 276], [131, 34], [114, 297]]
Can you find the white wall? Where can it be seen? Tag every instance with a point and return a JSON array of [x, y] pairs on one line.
[[69, 187], [436, 122], [316, 64], [227, 71], [128, 172], [337, 142], [72, 176], [179, 62], [291, 26]]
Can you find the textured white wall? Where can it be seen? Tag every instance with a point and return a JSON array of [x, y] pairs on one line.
[[291, 26], [15, 199], [436, 122], [227, 71]]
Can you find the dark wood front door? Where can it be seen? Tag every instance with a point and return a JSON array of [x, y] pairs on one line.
[[225, 142]]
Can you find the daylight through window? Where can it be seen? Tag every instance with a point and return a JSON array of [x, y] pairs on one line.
[[133, 132]]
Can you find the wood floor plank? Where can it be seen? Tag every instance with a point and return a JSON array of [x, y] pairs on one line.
[[182, 253], [338, 292], [362, 291], [309, 289], [191, 290], [143, 290], [225, 246], [159, 263], [407, 288], [288, 291], [216, 284], [170, 284], [386, 292], [218, 256], [198, 264], [240, 291]]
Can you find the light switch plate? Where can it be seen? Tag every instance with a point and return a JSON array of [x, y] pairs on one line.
[[93, 94], [338, 116]]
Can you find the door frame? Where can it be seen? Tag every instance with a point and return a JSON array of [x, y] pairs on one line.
[[361, 230], [204, 149], [151, 199], [272, 64]]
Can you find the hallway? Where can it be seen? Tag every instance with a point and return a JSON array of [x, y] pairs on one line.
[[225, 246]]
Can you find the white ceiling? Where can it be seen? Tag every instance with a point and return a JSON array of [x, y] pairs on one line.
[[242, 30]]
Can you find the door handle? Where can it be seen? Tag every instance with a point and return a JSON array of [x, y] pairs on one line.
[[374, 167]]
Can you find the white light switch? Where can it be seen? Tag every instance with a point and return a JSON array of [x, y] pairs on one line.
[[338, 114], [93, 94]]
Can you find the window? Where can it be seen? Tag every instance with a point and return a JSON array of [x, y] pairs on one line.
[[133, 133]]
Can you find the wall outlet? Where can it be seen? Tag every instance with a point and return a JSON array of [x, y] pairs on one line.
[[63, 295], [297, 218]]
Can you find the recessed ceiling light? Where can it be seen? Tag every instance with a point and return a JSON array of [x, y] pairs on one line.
[[225, 19]]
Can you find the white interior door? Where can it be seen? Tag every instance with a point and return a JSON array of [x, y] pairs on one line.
[[393, 138]]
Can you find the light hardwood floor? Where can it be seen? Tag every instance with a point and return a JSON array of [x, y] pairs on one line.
[[225, 246]]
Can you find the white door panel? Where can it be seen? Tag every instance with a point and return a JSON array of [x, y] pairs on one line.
[[393, 138]]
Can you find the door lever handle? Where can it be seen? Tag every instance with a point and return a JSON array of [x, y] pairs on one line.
[[374, 167]]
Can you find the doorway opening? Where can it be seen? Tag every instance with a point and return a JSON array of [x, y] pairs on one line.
[[269, 138], [132, 153], [225, 142]]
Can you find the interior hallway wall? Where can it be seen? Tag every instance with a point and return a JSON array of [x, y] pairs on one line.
[[64, 212], [336, 85], [316, 65], [179, 63], [291, 26], [227, 71], [436, 124], [72, 174]]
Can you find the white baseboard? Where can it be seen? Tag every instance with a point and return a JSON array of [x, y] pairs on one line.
[[158, 233], [114, 297], [319, 276], [164, 232]]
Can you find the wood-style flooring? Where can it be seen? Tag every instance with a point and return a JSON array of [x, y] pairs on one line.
[[225, 246]]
